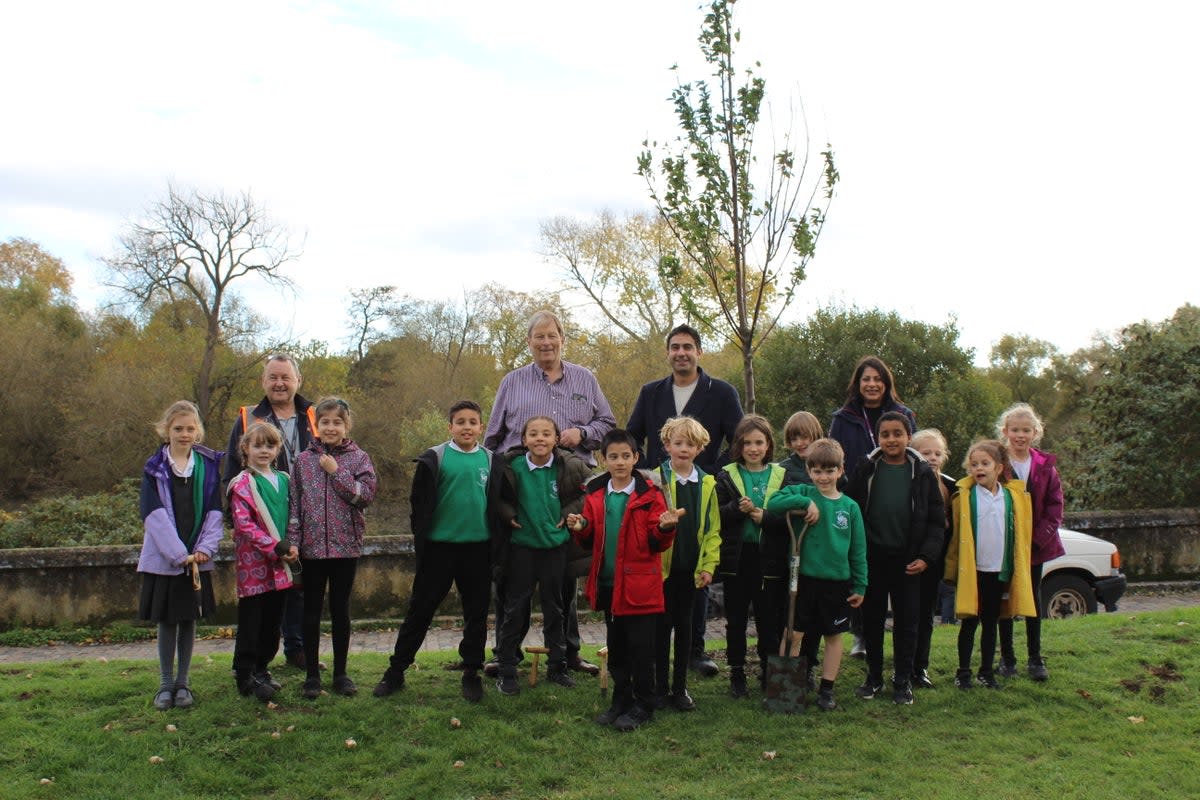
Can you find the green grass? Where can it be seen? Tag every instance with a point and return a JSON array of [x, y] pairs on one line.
[[90, 726]]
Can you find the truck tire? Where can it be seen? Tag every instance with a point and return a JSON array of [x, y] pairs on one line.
[[1066, 595]]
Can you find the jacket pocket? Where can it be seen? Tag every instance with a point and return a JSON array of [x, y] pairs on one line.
[[642, 589]]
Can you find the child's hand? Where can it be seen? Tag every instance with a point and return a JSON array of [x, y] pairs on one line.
[[328, 463], [670, 518], [915, 567], [201, 557], [855, 600], [745, 505], [293, 555], [576, 522], [512, 523], [756, 514], [703, 580], [812, 514]]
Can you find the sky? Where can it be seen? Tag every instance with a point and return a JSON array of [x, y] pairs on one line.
[[1020, 167]]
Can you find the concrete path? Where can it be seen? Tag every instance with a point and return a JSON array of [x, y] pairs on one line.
[[382, 641]]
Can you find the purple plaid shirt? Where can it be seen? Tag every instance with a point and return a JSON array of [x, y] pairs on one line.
[[573, 401]]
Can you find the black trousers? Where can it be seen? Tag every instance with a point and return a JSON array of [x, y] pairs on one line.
[[679, 592], [768, 596], [630, 642], [529, 567], [886, 579], [991, 590], [468, 568], [257, 639], [570, 601], [338, 575], [1033, 625], [930, 584]]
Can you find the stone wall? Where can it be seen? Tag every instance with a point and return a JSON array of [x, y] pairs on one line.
[[99, 585]]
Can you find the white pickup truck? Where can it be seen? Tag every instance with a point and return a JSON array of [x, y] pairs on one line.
[[1087, 576]]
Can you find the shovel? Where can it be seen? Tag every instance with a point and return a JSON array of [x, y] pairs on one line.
[[787, 675]]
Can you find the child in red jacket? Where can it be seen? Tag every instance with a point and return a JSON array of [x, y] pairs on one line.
[[626, 577]]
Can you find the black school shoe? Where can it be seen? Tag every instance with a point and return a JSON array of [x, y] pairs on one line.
[[704, 665], [1037, 670], [963, 679], [737, 684], [311, 689], [682, 701], [608, 718], [391, 682], [988, 680], [508, 686], [561, 677], [255, 685], [472, 686], [344, 686], [1008, 669], [633, 719], [825, 700]]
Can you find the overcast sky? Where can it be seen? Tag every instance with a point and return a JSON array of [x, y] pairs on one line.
[[1025, 167]]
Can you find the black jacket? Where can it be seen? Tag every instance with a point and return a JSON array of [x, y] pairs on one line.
[[927, 521], [714, 404]]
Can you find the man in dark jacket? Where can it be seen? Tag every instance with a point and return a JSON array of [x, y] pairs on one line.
[[687, 391]]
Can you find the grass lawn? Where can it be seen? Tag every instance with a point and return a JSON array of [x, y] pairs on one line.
[[1117, 719]]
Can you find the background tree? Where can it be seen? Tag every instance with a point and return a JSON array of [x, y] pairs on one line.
[[45, 345], [194, 247], [1136, 444], [629, 270], [368, 309], [755, 239], [807, 367]]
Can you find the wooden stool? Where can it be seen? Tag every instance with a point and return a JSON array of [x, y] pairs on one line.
[[537, 653]]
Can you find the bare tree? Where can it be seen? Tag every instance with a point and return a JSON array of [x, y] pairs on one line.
[[367, 308], [192, 247]]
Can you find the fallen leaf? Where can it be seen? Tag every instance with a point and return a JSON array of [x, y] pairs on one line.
[[272, 706], [459, 764], [45, 781], [768, 755], [1181, 623], [455, 722], [499, 764], [1136, 720], [291, 728], [351, 744], [171, 729], [108, 727], [156, 759], [1084, 693], [275, 734]]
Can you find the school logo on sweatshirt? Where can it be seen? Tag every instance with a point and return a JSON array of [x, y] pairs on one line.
[[554, 488], [841, 520], [483, 476]]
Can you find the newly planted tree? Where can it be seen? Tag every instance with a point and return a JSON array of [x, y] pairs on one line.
[[751, 226]]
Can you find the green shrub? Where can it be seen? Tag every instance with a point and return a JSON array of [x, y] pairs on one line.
[[68, 521]]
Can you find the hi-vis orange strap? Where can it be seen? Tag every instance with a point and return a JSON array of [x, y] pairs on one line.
[[312, 419]]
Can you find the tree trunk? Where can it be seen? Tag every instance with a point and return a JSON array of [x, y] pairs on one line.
[[748, 376]]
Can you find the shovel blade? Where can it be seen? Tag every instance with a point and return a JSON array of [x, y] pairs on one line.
[[787, 685]]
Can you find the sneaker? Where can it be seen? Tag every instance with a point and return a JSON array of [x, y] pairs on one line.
[[870, 687], [472, 686], [1008, 669], [705, 666], [577, 664], [988, 680], [902, 693], [737, 684], [344, 686], [633, 719], [184, 697], [492, 668], [609, 717], [165, 699], [962, 679], [561, 677], [391, 682], [1037, 670], [920, 679], [311, 688], [825, 700], [508, 686], [859, 650], [682, 701]]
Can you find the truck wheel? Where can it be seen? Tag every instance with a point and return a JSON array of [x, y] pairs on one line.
[[1065, 595]]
